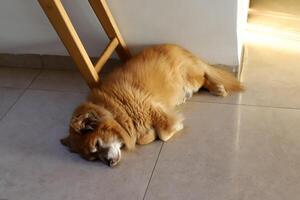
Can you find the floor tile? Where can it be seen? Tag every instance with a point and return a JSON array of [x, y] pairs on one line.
[[17, 77], [34, 165], [288, 9], [270, 76], [231, 152], [60, 80], [8, 96], [204, 96]]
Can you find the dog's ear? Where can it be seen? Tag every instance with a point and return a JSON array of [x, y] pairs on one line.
[[65, 141], [85, 123]]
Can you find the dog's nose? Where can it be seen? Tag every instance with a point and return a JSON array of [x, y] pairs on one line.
[[111, 162]]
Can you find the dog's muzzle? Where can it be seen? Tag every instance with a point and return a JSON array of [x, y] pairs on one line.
[[110, 155]]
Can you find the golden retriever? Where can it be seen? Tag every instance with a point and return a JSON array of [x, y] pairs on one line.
[[135, 104]]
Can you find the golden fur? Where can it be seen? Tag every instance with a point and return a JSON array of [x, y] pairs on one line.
[[135, 103]]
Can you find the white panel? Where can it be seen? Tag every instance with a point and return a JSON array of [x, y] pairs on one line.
[[206, 27]]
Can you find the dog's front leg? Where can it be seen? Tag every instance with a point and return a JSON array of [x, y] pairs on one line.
[[166, 123], [147, 138]]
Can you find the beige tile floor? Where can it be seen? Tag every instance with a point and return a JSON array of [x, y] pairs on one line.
[[290, 7], [246, 146]]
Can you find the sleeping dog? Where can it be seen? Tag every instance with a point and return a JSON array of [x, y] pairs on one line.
[[135, 104]]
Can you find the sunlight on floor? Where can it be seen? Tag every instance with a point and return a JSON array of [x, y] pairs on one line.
[[274, 29], [261, 38]]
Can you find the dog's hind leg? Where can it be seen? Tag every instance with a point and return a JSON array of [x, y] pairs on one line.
[[216, 81], [199, 74], [166, 123], [194, 80], [219, 82], [215, 88]]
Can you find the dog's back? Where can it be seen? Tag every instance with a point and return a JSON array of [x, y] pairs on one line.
[[171, 74], [160, 70]]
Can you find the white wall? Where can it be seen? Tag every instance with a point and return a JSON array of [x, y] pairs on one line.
[[242, 13], [206, 27]]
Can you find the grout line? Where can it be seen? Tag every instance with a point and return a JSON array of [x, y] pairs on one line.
[[247, 105], [43, 69], [58, 69], [12, 88], [65, 91], [34, 78], [47, 90], [153, 170], [9, 109], [42, 62], [39, 68], [16, 67], [20, 96], [194, 101]]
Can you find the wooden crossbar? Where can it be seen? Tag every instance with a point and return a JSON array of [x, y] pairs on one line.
[[109, 25], [61, 22], [106, 54]]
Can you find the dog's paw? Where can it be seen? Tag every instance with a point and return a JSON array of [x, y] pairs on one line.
[[167, 135], [220, 91], [186, 94], [178, 127]]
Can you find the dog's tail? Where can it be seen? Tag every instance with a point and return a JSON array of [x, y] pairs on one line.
[[223, 77]]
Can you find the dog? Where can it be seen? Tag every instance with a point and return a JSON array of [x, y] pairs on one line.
[[135, 104]]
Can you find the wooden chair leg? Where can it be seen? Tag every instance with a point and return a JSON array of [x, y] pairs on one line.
[[66, 31], [61, 22], [109, 25]]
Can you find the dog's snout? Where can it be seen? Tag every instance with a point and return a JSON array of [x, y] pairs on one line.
[[106, 161], [110, 155], [111, 162]]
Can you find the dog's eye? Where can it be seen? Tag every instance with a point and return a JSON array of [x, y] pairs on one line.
[[91, 156], [88, 126], [97, 144]]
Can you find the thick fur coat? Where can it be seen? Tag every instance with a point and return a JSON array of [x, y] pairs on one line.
[[135, 103]]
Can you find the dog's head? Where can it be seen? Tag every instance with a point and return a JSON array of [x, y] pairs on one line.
[[95, 134]]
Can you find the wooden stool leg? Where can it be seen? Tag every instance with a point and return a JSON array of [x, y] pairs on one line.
[[109, 25], [66, 31]]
